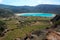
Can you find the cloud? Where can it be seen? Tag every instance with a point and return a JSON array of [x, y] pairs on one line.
[[1, 1]]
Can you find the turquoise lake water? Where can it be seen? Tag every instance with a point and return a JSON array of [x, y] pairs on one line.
[[37, 14]]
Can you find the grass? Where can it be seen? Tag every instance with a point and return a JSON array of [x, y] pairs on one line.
[[23, 31]]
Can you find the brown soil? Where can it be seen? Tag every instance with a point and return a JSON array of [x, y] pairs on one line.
[[53, 35]]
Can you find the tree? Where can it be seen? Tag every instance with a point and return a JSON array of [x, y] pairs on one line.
[[2, 27], [5, 12]]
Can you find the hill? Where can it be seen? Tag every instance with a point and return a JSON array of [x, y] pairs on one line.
[[39, 8]]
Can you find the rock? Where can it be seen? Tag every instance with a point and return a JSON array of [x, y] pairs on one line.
[[53, 35], [37, 32], [17, 39]]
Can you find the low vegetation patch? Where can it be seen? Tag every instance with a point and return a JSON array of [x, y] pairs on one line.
[[15, 30]]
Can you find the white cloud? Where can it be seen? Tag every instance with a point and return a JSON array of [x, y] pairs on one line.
[[1, 1]]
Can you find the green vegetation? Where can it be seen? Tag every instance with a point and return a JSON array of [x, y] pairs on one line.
[[2, 27], [57, 22], [5, 12], [29, 24]]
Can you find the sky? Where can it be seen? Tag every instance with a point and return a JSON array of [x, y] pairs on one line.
[[29, 2]]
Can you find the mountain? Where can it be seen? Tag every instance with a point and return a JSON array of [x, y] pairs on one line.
[[17, 9], [46, 8]]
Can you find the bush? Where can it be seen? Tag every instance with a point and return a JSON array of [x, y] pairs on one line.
[[2, 26], [57, 22]]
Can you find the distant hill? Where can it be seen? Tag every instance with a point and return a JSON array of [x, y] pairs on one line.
[[48, 8], [39, 8]]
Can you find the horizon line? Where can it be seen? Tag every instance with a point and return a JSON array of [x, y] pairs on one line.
[[30, 5]]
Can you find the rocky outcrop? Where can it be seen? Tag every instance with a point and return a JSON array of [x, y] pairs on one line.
[[53, 35]]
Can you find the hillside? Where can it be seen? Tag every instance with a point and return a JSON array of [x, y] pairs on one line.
[[17, 27], [39, 8], [29, 28]]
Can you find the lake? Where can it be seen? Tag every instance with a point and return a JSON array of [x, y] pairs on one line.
[[37, 14]]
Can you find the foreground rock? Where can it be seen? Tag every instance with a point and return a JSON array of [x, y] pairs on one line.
[[53, 35]]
